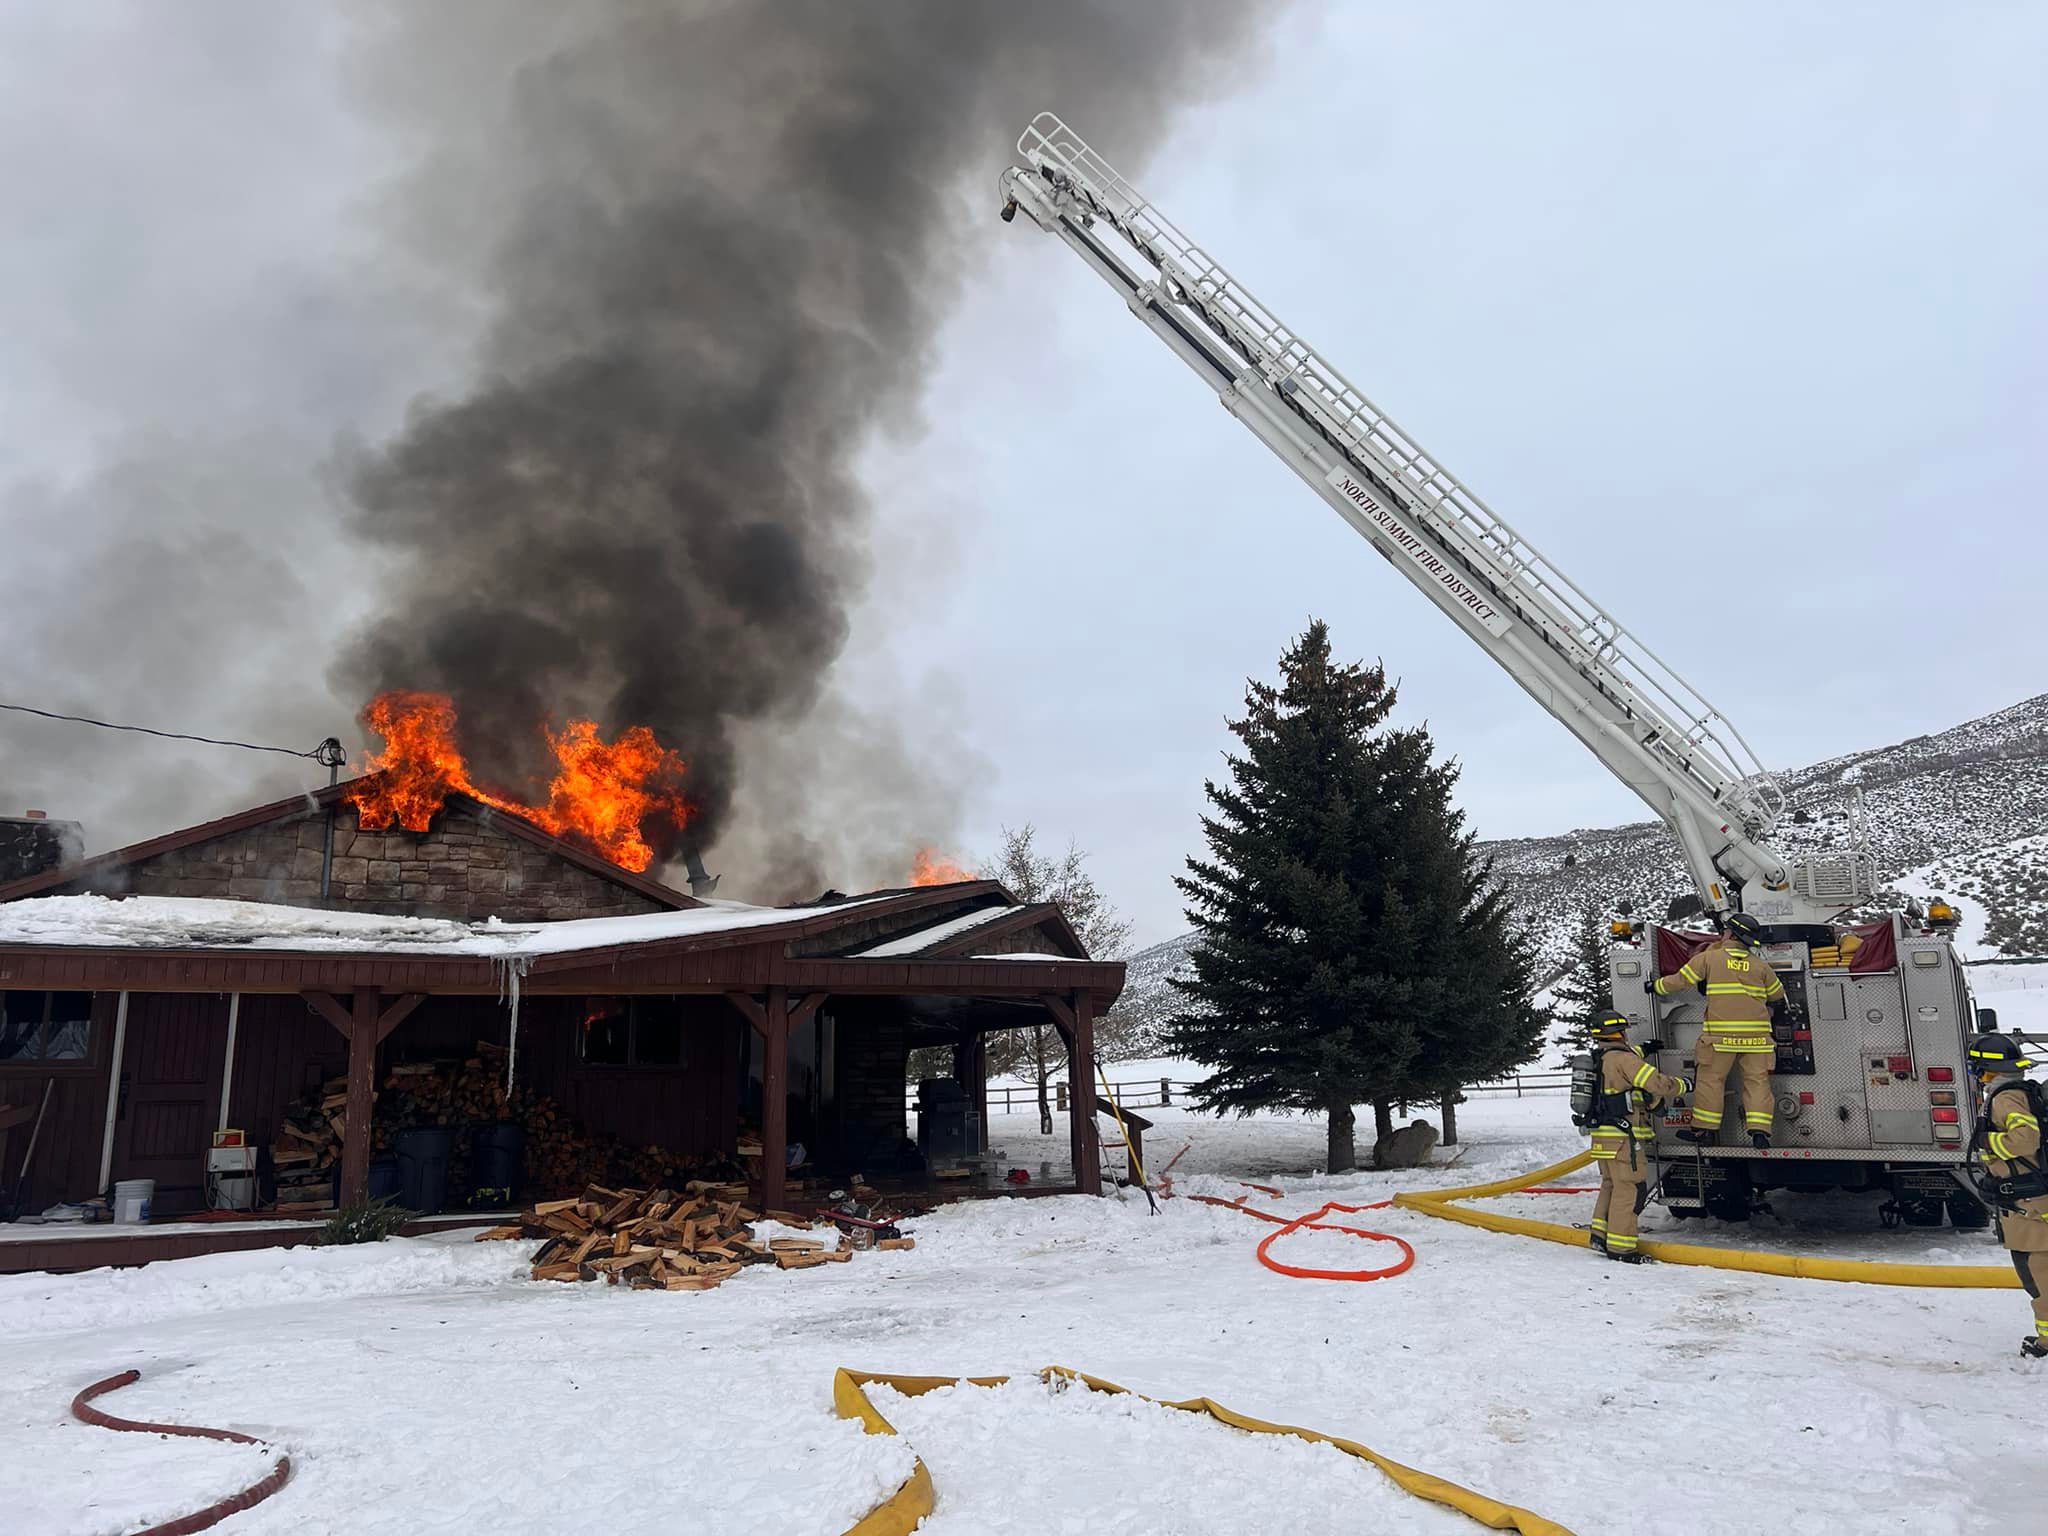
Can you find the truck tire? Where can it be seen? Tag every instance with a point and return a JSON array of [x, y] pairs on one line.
[[1967, 1214], [1729, 1203], [1921, 1213]]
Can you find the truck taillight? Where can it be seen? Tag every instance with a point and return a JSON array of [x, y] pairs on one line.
[[1942, 1098], [1949, 1132], [1941, 1074], [1944, 1116]]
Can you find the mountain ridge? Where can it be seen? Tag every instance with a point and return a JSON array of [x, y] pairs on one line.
[[1962, 810]]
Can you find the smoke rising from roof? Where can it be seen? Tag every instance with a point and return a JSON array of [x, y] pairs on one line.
[[729, 236]]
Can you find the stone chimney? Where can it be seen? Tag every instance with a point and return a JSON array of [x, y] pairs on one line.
[[33, 843]]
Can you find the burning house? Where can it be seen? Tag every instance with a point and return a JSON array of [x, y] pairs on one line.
[[324, 959]]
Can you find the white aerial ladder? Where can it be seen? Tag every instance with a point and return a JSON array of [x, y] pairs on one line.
[[1869, 1074], [1651, 728]]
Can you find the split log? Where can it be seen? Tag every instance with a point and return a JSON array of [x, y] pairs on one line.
[[657, 1239]]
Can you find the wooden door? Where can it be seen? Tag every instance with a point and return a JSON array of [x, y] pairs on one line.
[[170, 1095]]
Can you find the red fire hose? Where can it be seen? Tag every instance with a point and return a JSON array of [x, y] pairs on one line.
[[1313, 1222], [213, 1514]]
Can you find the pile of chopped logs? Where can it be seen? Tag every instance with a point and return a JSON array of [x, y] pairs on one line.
[[660, 1239], [307, 1146], [559, 1154]]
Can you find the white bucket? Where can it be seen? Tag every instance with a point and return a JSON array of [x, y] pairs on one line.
[[131, 1199]]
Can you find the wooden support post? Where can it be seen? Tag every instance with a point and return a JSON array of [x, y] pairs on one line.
[[774, 1098], [773, 1021], [362, 1072], [324, 1004], [1081, 1097], [398, 1013], [750, 1010]]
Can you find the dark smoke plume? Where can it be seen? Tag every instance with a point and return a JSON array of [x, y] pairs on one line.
[[729, 236]]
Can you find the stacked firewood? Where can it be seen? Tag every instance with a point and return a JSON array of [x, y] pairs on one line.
[[307, 1146], [559, 1154], [662, 1239]]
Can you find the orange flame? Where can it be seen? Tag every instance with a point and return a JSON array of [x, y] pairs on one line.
[[930, 867], [602, 795]]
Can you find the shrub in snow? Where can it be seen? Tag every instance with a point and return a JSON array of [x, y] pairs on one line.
[[365, 1221]]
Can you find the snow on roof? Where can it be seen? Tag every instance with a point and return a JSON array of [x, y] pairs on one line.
[[190, 922], [924, 938], [1025, 955]]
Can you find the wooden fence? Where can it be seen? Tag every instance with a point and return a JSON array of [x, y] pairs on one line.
[[1156, 1092]]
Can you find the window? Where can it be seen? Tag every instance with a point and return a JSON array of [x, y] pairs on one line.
[[657, 1032], [45, 1028], [606, 1040], [632, 1032]]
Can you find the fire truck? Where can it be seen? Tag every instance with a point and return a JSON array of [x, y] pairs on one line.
[[1869, 1084]]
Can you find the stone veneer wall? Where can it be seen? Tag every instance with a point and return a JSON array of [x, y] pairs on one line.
[[873, 1051], [461, 867], [1026, 941]]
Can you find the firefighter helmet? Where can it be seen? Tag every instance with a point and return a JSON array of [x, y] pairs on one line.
[[1740, 925], [1996, 1055], [1610, 1026]]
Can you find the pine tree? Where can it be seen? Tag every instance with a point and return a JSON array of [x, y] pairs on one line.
[[1582, 994], [1305, 990], [1471, 1000]]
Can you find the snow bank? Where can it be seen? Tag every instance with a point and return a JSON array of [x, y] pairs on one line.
[[261, 1277]]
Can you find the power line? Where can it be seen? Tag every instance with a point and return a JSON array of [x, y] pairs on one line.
[[328, 752]]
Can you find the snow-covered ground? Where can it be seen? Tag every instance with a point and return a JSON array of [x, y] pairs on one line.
[[424, 1385]]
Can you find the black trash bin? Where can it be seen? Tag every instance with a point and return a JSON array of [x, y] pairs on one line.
[[423, 1154], [941, 1122], [496, 1153], [385, 1181]]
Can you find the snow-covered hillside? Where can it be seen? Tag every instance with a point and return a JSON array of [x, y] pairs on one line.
[[1970, 790], [1964, 812], [1141, 1013]]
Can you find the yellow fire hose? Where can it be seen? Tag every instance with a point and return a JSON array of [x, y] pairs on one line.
[[899, 1514], [1137, 1168], [1439, 1202]]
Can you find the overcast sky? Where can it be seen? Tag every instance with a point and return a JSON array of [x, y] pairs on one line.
[[1742, 320]]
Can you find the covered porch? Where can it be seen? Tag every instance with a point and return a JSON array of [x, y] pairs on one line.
[[726, 1043]]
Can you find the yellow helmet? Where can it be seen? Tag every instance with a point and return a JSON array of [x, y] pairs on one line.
[[1996, 1055]]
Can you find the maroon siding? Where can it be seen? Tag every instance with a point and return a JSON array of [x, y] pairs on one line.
[[281, 1048], [692, 1109], [66, 1165], [170, 1094]]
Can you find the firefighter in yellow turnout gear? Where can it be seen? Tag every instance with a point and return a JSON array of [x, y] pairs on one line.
[[2010, 1128], [1622, 1134], [1743, 994]]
